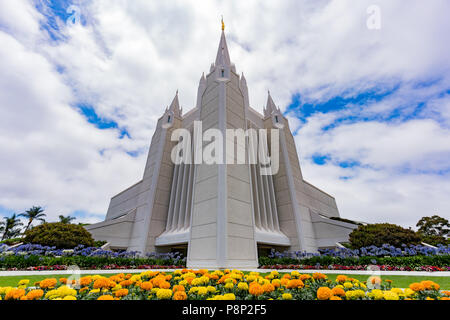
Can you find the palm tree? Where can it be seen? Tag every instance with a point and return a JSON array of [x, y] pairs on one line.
[[35, 213], [66, 220], [11, 227]]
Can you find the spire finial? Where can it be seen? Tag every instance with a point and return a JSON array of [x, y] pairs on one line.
[[223, 25]]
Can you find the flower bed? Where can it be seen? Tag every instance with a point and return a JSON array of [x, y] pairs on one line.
[[355, 268], [37, 257], [407, 258], [219, 285]]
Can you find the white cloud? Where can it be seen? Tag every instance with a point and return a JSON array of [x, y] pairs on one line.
[[130, 57]]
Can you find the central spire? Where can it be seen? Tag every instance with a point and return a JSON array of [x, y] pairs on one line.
[[223, 57]]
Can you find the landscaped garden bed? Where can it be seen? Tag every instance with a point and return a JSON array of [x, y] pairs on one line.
[[386, 258], [220, 285]]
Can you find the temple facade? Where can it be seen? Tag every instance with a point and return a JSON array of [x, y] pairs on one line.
[[221, 215]]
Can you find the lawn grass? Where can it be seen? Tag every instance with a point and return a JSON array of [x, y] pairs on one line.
[[397, 281]]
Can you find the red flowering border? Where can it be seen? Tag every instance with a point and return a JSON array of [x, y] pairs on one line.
[[354, 268]]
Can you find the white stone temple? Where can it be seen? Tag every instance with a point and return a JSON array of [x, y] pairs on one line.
[[221, 215]]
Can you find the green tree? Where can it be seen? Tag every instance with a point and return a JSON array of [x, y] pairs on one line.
[[434, 226], [11, 227], [66, 220], [382, 233], [34, 213], [60, 235]]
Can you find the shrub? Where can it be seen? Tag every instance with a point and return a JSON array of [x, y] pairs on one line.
[[382, 233], [435, 240], [59, 235]]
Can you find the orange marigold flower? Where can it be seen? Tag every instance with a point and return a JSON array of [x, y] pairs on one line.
[[121, 293], [180, 295], [35, 294], [15, 294], [445, 298], [336, 291], [48, 283], [319, 276], [63, 280], [447, 293], [287, 276], [335, 298], [104, 283], [85, 281], [304, 277], [416, 286], [341, 278], [284, 281], [295, 283], [255, 289], [83, 289], [147, 285], [168, 277], [128, 276], [164, 285], [276, 283], [324, 293], [126, 283], [189, 279], [268, 287], [429, 285], [106, 297], [178, 288]]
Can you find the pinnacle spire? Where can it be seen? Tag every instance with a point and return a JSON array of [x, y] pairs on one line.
[[270, 105], [175, 105], [223, 57]]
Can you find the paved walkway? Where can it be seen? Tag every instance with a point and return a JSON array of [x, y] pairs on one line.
[[379, 273]]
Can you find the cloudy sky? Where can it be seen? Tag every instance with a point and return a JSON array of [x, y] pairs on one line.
[[366, 89]]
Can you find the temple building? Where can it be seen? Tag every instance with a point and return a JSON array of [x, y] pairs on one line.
[[221, 215]]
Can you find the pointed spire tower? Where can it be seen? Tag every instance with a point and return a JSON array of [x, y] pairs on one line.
[[175, 106]]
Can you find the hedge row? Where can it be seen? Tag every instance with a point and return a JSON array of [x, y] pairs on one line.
[[24, 262], [412, 262]]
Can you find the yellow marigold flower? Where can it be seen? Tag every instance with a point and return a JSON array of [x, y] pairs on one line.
[[428, 298], [14, 294], [202, 291], [243, 286], [286, 296], [4, 290], [70, 298], [349, 295], [336, 291], [24, 282], [409, 292], [324, 293], [35, 294], [416, 286], [390, 295], [276, 283], [229, 296], [106, 297], [229, 285], [48, 283], [341, 278], [93, 291], [335, 298], [180, 295], [376, 294], [348, 285], [211, 289], [358, 294], [121, 293], [295, 273], [164, 294], [193, 290], [183, 283], [397, 291]]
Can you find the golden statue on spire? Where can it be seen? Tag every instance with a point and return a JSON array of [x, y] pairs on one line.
[[223, 25]]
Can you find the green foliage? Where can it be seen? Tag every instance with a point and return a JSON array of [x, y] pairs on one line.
[[435, 240], [12, 241], [434, 226], [84, 262], [412, 261], [34, 213], [66, 220], [60, 235], [98, 244], [382, 233], [10, 227]]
